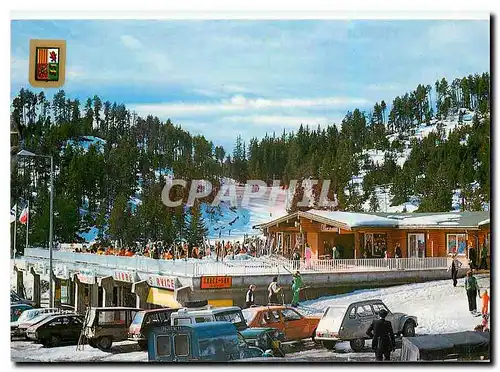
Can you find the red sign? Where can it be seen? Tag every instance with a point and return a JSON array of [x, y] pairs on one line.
[[209, 282], [161, 282]]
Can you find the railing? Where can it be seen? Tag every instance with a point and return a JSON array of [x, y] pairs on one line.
[[260, 266]]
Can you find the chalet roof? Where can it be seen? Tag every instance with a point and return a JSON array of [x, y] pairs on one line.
[[350, 220]]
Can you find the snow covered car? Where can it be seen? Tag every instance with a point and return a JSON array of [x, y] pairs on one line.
[[293, 324], [349, 322]]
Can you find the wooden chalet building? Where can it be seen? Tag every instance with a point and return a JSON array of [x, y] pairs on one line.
[[358, 235]]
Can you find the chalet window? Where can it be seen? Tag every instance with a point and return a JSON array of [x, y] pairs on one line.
[[456, 243], [375, 244], [416, 245]]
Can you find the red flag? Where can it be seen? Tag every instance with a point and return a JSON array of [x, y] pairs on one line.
[[24, 216]]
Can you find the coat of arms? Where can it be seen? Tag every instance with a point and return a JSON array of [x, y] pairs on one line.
[[47, 63]]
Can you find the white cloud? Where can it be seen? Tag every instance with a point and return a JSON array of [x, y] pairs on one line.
[[130, 42], [271, 120], [241, 103]]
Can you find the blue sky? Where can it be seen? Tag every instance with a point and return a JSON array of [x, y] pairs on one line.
[[230, 77]]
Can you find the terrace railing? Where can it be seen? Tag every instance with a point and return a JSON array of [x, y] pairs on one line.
[[260, 266]]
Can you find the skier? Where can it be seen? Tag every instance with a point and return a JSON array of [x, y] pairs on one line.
[[249, 300], [273, 290], [383, 341], [455, 265], [297, 285], [472, 290]]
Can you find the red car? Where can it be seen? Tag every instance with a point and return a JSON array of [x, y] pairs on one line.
[[288, 320]]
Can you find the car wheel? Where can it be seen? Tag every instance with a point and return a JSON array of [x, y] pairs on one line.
[[409, 329], [357, 344], [91, 342], [55, 340], [330, 345], [143, 345], [104, 343]]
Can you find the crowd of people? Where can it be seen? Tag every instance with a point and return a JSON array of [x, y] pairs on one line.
[[158, 250]]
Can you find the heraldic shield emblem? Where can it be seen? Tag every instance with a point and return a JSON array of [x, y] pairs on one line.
[[47, 63]]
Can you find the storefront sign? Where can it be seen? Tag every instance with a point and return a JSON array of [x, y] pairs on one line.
[[161, 282], [61, 272], [325, 227], [124, 276], [86, 276], [209, 282]]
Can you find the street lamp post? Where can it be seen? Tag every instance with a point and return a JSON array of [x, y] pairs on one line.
[[51, 218]]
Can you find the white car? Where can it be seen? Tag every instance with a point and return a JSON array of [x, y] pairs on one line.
[[349, 322]]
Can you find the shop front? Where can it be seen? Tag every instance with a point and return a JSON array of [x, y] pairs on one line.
[[162, 292], [122, 292]]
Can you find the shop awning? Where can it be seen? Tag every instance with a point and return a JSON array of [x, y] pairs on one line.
[[162, 297]]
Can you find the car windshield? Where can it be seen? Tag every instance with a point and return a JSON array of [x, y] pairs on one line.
[[138, 318], [28, 315], [39, 318], [233, 316], [334, 311], [249, 314]]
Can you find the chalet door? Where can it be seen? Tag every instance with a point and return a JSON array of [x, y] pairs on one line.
[[416, 245]]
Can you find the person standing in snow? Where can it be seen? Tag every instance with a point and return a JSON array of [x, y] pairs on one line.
[[273, 290], [297, 285], [485, 301], [455, 265], [249, 299], [382, 335], [472, 290]]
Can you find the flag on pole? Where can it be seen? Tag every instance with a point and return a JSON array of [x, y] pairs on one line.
[[24, 216], [13, 213]]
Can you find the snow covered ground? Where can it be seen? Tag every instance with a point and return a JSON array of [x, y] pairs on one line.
[[438, 306]]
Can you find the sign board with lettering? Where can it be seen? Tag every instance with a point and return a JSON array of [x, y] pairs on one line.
[[124, 276], [61, 271], [210, 282], [328, 228], [159, 281], [86, 276]]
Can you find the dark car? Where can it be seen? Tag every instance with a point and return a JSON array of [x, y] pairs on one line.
[[265, 339], [144, 321], [56, 329]]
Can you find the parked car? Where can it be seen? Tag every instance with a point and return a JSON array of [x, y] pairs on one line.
[[56, 329], [144, 321], [105, 325], [288, 320], [212, 341], [230, 314], [28, 318], [16, 311], [15, 299], [266, 337], [349, 322]]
